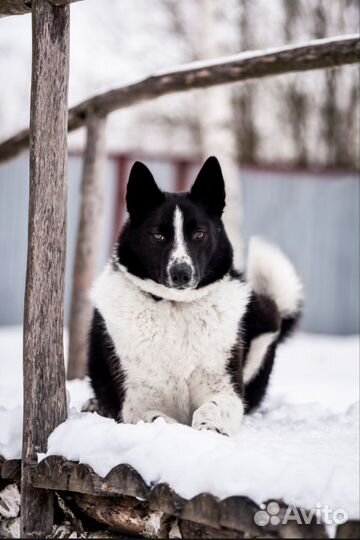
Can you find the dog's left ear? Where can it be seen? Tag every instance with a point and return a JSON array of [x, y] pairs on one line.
[[209, 188]]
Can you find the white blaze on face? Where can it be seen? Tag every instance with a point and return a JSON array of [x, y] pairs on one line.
[[179, 253]]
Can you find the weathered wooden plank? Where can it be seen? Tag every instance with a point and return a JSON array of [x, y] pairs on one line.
[[83, 479], [203, 509], [238, 513], [87, 246], [124, 480], [189, 529], [323, 53], [162, 497], [44, 373], [21, 7], [11, 470], [53, 472]]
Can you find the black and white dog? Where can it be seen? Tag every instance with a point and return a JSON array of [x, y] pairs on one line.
[[176, 332]]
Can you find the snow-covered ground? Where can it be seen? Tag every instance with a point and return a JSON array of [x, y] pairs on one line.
[[302, 446]]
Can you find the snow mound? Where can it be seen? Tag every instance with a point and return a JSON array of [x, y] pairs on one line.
[[302, 453]]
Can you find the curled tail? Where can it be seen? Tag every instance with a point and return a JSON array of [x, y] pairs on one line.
[[273, 311], [272, 275]]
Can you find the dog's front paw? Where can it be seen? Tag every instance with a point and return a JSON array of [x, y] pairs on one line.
[[221, 414], [151, 416], [206, 426], [207, 418]]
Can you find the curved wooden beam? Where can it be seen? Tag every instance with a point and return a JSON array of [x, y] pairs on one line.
[[321, 53]]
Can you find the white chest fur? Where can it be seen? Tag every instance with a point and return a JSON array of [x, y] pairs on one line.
[[163, 345]]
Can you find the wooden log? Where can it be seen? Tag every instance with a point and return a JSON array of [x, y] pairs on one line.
[[88, 244], [21, 7], [124, 480], [83, 479], [203, 508], [322, 53], [189, 529], [134, 517], [162, 497], [11, 470], [238, 513], [44, 373], [124, 513], [53, 472]]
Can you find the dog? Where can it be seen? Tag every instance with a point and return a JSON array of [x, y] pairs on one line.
[[177, 333]]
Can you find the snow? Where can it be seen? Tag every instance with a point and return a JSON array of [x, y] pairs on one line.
[[78, 392], [11, 432], [302, 446], [303, 454]]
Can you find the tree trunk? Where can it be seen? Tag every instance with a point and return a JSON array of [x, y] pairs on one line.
[[87, 248], [44, 373], [216, 113]]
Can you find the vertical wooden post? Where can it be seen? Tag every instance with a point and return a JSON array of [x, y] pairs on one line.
[[87, 248], [44, 373]]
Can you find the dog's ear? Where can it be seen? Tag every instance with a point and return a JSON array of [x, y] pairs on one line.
[[209, 188], [142, 193]]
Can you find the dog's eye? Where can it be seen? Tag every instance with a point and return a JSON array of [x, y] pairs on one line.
[[199, 235], [158, 237]]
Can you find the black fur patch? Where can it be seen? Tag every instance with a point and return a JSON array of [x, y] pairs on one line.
[[262, 317], [105, 372], [255, 390], [234, 368]]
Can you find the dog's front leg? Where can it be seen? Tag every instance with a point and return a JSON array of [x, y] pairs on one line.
[[221, 412]]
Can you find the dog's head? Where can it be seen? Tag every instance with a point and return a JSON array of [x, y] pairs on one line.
[[176, 239]]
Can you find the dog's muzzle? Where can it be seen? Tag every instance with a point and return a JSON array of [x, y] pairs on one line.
[[181, 275]]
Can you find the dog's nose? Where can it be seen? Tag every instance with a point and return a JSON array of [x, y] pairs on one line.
[[180, 275]]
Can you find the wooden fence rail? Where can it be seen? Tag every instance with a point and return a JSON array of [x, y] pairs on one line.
[[322, 53]]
